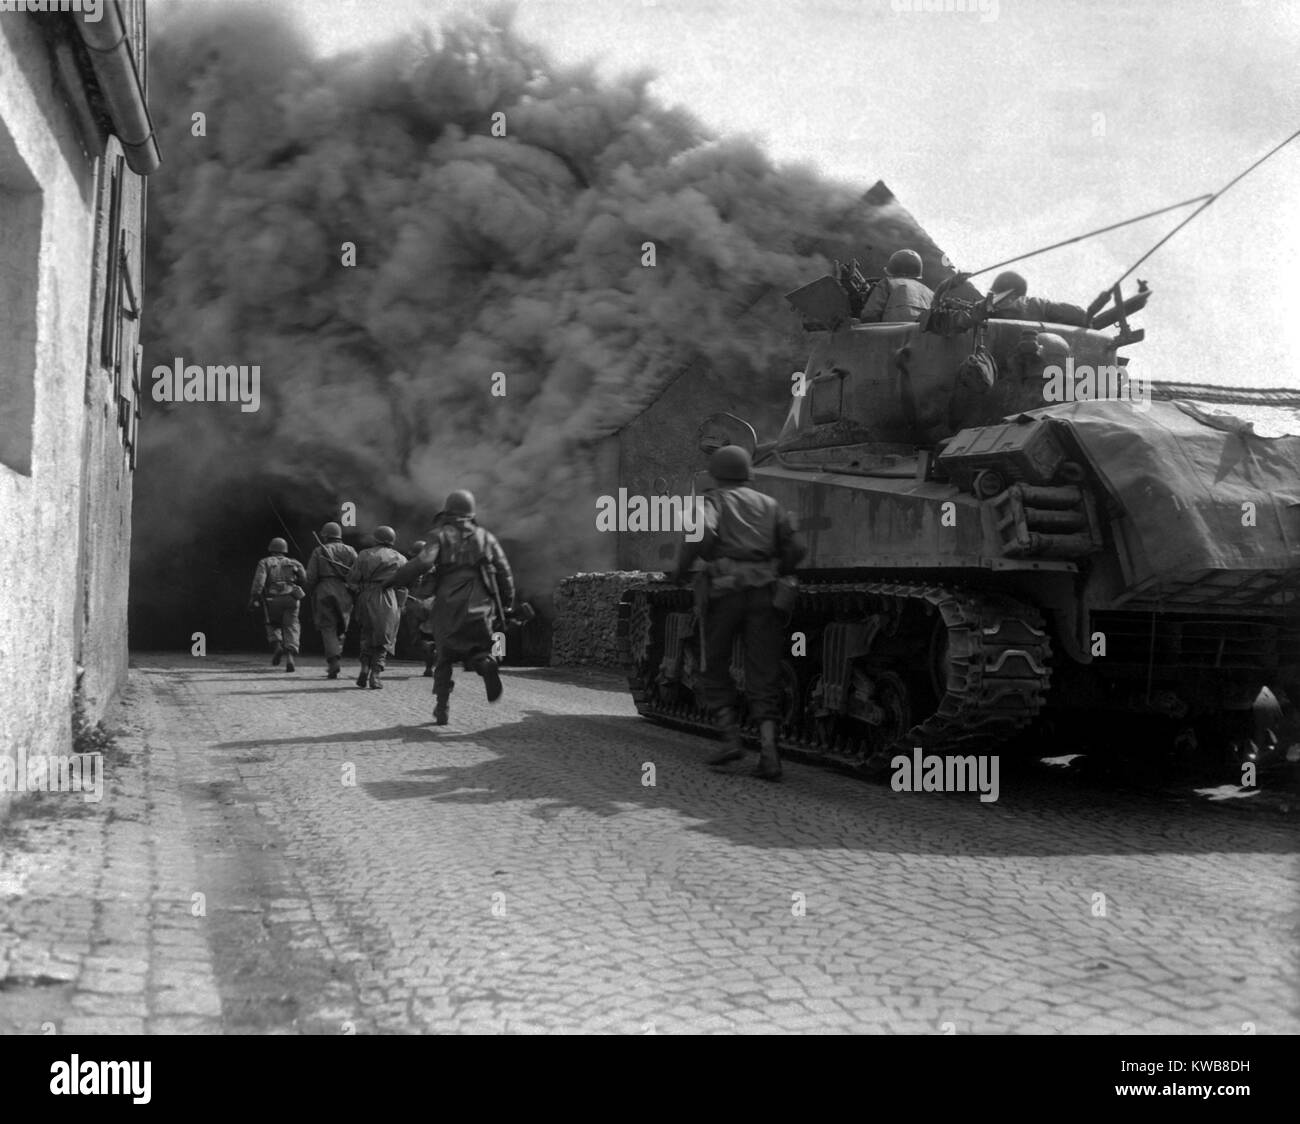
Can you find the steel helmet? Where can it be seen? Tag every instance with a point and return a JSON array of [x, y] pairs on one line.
[[331, 531], [730, 462], [385, 535], [904, 263], [1050, 345], [418, 545], [278, 546], [1009, 280], [460, 502]]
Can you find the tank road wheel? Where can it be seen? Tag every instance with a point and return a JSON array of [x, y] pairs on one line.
[[895, 701]]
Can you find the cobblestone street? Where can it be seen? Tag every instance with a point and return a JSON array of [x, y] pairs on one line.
[[281, 853]]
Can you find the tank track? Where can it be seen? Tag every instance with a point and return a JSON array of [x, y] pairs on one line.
[[997, 667]]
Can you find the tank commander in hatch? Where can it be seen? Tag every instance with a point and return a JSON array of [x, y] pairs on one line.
[[1007, 301], [900, 297]]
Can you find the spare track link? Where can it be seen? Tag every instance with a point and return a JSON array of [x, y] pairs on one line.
[[998, 654]]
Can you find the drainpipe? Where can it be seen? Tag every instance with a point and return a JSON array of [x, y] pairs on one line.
[[119, 81]]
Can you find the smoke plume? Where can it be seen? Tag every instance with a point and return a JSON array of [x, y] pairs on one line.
[[475, 254]]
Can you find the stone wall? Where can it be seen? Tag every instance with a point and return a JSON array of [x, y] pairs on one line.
[[47, 233], [586, 618], [66, 395]]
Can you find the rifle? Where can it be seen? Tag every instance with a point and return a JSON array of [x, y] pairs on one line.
[[325, 554], [520, 615]]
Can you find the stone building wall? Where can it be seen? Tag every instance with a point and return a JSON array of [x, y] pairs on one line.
[[71, 240]]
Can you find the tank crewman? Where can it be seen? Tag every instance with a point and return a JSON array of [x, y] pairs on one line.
[[327, 576], [278, 583], [420, 605], [378, 611], [900, 296], [471, 575], [748, 541], [1007, 301]]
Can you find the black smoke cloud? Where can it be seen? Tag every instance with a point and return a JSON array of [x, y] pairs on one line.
[[474, 254]]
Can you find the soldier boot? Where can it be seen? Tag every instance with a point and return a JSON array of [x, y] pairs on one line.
[[363, 678], [289, 665], [332, 663], [440, 710], [486, 666], [277, 653], [769, 758], [731, 750]]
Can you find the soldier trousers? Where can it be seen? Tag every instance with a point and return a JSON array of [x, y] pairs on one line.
[[748, 613], [282, 622], [378, 615], [442, 683], [332, 608]]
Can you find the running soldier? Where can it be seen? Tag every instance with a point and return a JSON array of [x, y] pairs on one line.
[[472, 579], [327, 576], [277, 584], [747, 543], [378, 610], [419, 604]]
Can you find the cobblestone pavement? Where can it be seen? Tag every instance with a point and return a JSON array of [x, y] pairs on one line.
[[361, 870]]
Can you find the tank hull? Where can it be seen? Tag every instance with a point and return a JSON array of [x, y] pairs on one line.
[[1112, 554]]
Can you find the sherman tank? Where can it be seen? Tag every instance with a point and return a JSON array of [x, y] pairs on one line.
[[1004, 530]]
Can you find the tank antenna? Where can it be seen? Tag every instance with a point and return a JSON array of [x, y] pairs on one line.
[[1100, 230], [1211, 199]]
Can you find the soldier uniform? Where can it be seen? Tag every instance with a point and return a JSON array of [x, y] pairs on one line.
[[1010, 303], [420, 606], [465, 559], [900, 296], [378, 611], [327, 575], [747, 543], [277, 583]]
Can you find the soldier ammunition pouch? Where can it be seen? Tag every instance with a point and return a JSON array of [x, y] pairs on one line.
[[279, 583], [285, 589], [727, 575]]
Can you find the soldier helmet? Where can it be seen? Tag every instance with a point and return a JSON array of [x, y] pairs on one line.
[[730, 462], [278, 546], [385, 535], [331, 531], [1010, 280], [904, 263], [418, 545], [1051, 345], [459, 502]]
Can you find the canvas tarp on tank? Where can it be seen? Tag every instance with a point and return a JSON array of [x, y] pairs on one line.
[[1182, 478]]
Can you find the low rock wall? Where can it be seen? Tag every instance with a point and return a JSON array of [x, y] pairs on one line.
[[586, 618]]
